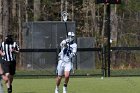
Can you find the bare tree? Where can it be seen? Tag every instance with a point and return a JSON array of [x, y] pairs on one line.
[[72, 14], [5, 16], [93, 17], [114, 25], [1, 18], [36, 10], [14, 8], [26, 10]]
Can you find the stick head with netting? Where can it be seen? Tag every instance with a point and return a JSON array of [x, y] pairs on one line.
[[64, 15]]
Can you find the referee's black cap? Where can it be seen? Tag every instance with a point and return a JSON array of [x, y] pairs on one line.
[[9, 39], [9, 36]]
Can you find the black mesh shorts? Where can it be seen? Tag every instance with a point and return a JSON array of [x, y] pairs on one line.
[[9, 67]]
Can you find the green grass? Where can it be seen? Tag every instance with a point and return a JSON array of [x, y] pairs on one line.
[[79, 85], [114, 72]]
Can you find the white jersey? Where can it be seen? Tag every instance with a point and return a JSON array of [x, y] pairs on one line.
[[68, 51]]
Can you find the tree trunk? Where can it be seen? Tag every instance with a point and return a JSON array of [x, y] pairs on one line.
[[5, 16], [72, 11], [13, 18], [62, 1], [26, 11], [0, 20], [19, 33], [13, 8], [103, 27], [114, 25], [93, 24], [85, 12], [36, 10]]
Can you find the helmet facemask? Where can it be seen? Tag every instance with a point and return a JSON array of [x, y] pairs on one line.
[[71, 36]]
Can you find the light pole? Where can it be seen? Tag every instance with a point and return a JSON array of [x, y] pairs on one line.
[[108, 11]]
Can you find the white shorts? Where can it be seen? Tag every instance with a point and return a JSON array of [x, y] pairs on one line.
[[63, 66]]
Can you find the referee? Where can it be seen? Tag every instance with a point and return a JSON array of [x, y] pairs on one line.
[[9, 50]]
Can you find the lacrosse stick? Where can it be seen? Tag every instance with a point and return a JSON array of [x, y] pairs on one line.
[[64, 15]]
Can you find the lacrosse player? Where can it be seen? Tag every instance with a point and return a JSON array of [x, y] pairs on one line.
[[65, 65]]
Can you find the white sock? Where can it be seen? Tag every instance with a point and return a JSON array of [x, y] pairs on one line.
[[64, 88]]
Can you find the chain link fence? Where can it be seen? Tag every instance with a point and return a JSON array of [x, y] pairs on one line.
[[40, 46]]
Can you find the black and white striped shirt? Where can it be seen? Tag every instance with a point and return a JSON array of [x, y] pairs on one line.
[[6, 49]]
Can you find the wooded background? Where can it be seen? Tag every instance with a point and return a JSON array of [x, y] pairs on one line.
[[90, 19]]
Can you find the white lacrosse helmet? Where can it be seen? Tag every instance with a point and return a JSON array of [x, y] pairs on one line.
[[71, 36]]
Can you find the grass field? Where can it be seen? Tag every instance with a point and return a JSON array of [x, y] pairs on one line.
[[79, 85]]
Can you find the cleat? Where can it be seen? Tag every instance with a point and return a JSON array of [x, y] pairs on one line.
[[9, 90]]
